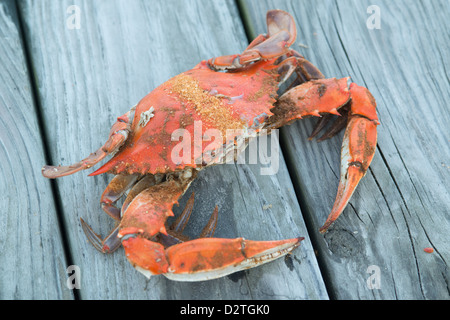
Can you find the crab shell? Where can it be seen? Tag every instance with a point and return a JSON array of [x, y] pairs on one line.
[[234, 105]]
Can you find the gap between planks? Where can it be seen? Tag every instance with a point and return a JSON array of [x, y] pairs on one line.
[[44, 137]]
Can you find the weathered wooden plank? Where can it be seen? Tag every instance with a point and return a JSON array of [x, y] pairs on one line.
[[32, 263], [402, 204], [87, 77]]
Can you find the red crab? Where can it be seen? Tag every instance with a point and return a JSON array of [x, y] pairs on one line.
[[229, 92]]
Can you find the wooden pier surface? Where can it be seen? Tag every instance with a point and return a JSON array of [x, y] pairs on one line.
[[62, 86]]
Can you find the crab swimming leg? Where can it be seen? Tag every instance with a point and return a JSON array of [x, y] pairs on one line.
[[281, 34], [117, 136]]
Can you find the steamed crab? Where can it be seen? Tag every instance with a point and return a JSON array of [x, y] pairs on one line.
[[238, 92]]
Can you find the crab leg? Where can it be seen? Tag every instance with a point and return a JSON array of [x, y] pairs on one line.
[[117, 136], [111, 242], [210, 227], [339, 124], [114, 191], [180, 223], [305, 70], [108, 245], [358, 148], [281, 34], [174, 232]]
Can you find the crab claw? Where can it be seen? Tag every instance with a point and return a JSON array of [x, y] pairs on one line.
[[203, 259], [149, 247], [358, 148]]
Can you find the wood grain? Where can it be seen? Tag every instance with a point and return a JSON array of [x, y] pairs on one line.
[[89, 76], [402, 205], [32, 263]]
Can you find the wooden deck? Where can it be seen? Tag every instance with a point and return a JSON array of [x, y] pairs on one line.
[[61, 88]]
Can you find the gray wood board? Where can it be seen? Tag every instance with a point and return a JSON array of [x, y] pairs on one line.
[[402, 204], [88, 77], [32, 260]]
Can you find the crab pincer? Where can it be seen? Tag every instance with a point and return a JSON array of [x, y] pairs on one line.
[[187, 260], [358, 148], [203, 259]]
